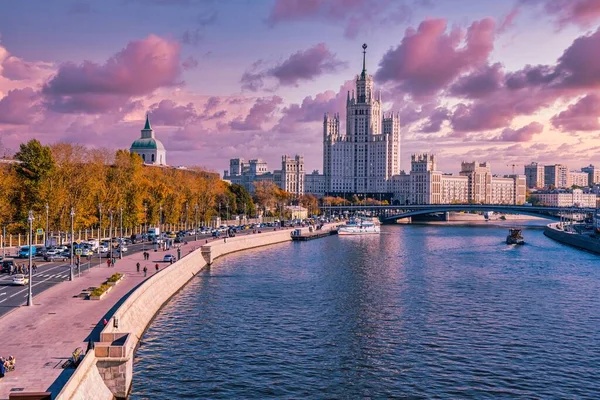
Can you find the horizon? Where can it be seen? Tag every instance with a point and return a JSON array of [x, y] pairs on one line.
[[507, 83]]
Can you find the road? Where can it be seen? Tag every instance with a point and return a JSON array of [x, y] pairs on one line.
[[52, 273]]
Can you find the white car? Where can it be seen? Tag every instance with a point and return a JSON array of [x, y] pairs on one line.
[[123, 248], [20, 280], [52, 252], [104, 249]]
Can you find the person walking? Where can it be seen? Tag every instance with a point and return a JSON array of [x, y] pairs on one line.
[[156, 267], [34, 268], [108, 262], [145, 270], [114, 261], [137, 267]]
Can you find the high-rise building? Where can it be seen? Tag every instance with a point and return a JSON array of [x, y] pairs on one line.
[[593, 174], [556, 176], [534, 175], [314, 183], [292, 174], [480, 181], [367, 155], [578, 178]]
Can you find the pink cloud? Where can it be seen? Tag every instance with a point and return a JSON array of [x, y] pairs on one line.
[[261, 112], [581, 116], [140, 68], [523, 134], [480, 83], [15, 68], [19, 106], [167, 112], [579, 12], [508, 21], [430, 58], [304, 65]]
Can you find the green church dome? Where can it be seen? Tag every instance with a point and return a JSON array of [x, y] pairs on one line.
[[147, 143]]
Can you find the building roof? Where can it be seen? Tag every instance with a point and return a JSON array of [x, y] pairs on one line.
[[147, 144]]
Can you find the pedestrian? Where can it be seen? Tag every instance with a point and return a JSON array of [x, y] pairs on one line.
[[105, 322], [137, 266], [34, 268], [114, 261], [156, 267], [108, 262], [145, 270]]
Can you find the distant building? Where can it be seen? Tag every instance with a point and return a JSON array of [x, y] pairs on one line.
[[149, 148], [480, 181], [565, 198], [292, 175], [577, 178], [297, 212], [314, 183], [534, 176], [593, 174], [364, 158], [556, 176]]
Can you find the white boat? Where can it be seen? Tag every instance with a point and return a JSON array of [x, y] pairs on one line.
[[359, 227]]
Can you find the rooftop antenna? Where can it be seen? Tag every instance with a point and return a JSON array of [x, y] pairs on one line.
[[364, 70]]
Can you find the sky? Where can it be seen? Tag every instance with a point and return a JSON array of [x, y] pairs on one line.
[[509, 82]]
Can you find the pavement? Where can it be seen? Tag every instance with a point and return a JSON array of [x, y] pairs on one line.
[[44, 336]]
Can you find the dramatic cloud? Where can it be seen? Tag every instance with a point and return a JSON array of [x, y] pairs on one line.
[[167, 112], [523, 134], [581, 116], [139, 69], [262, 112], [18, 107], [14, 68], [580, 12], [303, 65], [429, 59], [436, 119], [480, 83]]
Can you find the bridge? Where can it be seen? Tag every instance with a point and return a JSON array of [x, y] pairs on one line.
[[391, 213]]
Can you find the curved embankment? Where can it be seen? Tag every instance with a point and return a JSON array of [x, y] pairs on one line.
[[107, 372], [572, 239]]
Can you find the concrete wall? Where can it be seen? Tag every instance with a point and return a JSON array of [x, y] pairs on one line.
[[576, 240], [138, 310]]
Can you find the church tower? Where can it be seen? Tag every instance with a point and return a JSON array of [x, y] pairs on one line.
[[148, 147]]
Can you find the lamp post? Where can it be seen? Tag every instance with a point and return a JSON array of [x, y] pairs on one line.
[[4, 242], [99, 230], [30, 293], [220, 213], [121, 234], [145, 227], [196, 222], [71, 265], [47, 218], [187, 214], [160, 216], [227, 215], [110, 234]]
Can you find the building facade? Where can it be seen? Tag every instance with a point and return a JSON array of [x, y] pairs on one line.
[[556, 176], [534, 175], [565, 198], [289, 178], [314, 183], [149, 147], [480, 181], [578, 178], [364, 158], [292, 175], [593, 174]]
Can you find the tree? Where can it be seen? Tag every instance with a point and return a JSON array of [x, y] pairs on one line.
[[265, 194], [244, 202]]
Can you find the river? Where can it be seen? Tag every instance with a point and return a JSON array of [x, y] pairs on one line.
[[420, 311]]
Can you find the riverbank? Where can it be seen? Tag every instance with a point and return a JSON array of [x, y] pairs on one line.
[[107, 371], [581, 241]]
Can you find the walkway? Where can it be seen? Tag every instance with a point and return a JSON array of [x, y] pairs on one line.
[[44, 336]]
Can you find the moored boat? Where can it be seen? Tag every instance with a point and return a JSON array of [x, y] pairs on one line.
[[515, 236], [359, 226]]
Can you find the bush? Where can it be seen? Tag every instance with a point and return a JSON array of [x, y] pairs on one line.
[[114, 277], [98, 291]]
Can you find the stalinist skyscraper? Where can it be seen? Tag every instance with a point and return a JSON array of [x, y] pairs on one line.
[[362, 160]]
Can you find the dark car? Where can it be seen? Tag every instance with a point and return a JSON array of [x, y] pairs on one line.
[[6, 264], [136, 238]]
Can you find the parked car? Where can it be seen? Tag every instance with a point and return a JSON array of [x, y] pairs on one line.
[[20, 280], [169, 258], [87, 252], [6, 264], [56, 257], [24, 251], [123, 248], [104, 249]]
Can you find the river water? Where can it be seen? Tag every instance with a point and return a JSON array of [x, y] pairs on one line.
[[420, 311]]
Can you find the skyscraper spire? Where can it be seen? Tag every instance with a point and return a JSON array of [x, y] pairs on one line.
[[147, 126], [363, 74]]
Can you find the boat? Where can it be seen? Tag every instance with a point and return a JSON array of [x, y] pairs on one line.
[[362, 226], [514, 236]]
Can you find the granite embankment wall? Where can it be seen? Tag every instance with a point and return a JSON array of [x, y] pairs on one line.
[[102, 376], [581, 241]]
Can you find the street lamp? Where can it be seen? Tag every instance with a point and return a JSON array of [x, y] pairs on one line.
[[30, 220], [187, 214], [196, 222], [160, 217], [145, 218], [71, 266], [47, 218], [219, 213], [227, 207], [99, 230], [110, 234], [121, 234]]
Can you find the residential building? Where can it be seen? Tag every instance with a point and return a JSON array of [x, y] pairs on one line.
[[578, 178], [364, 158], [455, 189], [565, 198], [556, 176], [314, 183], [296, 212], [534, 175], [509, 189], [292, 175], [480, 181], [149, 147], [593, 174]]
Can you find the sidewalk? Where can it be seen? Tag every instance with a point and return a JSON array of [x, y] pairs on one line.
[[42, 337]]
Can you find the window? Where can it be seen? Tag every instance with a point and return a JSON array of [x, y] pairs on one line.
[[152, 157], [144, 157]]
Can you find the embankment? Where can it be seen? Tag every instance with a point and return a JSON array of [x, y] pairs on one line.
[[573, 239], [107, 372]]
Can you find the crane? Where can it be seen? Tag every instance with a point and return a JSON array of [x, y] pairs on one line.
[[513, 167]]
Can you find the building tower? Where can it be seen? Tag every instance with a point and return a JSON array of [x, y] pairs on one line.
[[148, 147], [364, 158]]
